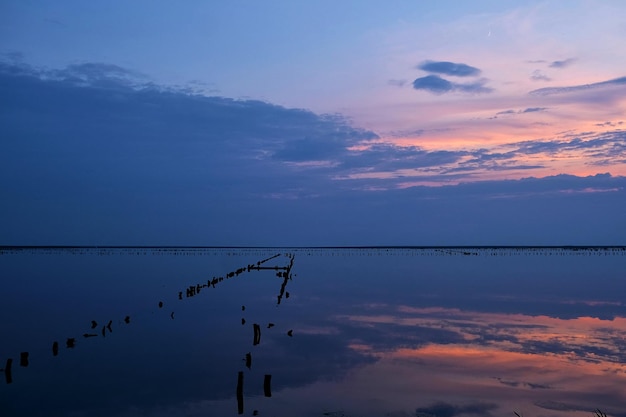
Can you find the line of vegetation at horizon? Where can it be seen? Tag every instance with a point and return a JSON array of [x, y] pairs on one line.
[[368, 247]]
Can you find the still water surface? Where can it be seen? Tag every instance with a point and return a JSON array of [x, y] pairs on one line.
[[312, 332]]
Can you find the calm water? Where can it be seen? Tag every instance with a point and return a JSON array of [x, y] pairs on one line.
[[402, 332]]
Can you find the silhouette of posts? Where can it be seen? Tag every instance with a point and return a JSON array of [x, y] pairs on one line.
[[240, 393], [267, 385], [24, 359], [7, 371], [282, 272], [257, 334]]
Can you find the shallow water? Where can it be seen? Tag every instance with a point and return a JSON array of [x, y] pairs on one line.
[[357, 332]]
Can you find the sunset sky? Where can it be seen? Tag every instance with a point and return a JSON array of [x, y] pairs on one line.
[[142, 122]]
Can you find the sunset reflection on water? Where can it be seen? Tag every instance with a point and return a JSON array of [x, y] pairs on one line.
[[510, 361]]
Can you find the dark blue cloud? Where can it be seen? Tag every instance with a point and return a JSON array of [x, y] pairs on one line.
[[387, 158], [562, 64], [449, 68], [92, 71], [12, 56], [434, 84], [533, 109], [113, 137], [437, 85], [312, 149]]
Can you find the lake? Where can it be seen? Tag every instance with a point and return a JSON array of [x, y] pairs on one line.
[[312, 331]]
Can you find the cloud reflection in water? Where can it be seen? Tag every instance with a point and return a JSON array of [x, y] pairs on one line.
[[395, 335]]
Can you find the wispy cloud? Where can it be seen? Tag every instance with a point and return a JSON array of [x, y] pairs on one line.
[[562, 64], [570, 89], [523, 111], [397, 83], [538, 75]]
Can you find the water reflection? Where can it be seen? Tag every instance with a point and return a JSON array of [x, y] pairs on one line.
[[452, 332], [8, 373], [191, 291], [551, 363]]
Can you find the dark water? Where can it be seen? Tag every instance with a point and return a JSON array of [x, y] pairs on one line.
[[340, 332]]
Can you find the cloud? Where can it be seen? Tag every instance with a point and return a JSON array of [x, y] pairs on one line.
[[14, 57], [434, 84], [561, 90], [95, 74], [537, 75], [449, 68], [148, 134], [532, 332], [397, 83], [526, 110], [387, 157], [533, 109], [475, 87], [400, 166], [610, 124], [311, 149], [443, 409], [610, 143], [506, 112], [384, 162], [93, 142], [437, 85], [562, 64], [530, 385]]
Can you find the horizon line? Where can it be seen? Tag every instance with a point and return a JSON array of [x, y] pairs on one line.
[[19, 247]]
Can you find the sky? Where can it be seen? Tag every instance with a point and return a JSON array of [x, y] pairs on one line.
[[353, 122]]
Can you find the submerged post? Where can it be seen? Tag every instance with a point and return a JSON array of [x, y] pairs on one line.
[[24, 359], [267, 385], [7, 371], [257, 334], [240, 393]]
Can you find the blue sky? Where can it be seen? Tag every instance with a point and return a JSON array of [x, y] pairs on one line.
[[335, 122]]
